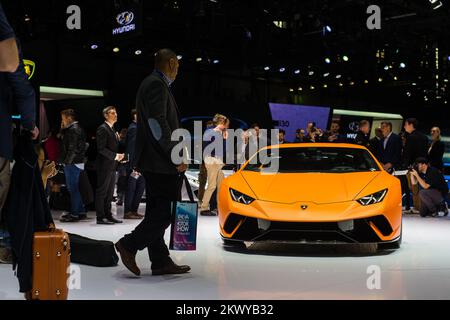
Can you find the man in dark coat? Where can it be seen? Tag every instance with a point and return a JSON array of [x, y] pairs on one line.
[[136, 181], [107, 148], [363, 135], [158, 116]]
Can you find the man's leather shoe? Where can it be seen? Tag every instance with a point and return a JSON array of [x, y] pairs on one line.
[[131, 215], [171, 268], [104, 221], [114, 220], [128, 258]]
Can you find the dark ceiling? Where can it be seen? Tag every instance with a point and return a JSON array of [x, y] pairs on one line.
[[242, 36]]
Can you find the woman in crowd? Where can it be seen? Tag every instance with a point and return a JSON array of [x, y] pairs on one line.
[[214, 160], [436, 150]]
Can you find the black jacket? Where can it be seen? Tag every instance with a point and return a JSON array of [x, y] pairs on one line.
[[362, 139], [416, 146], [73, 146], [158, 117], [107, 147], [435, 155], [393, 152], [27, 209], [17, 97], [130, 142]]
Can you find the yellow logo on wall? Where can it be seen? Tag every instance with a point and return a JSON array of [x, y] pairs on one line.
[[29, 66]]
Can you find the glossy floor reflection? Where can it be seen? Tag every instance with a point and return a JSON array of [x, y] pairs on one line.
[[419, 270]]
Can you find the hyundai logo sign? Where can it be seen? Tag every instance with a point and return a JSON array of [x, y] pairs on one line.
[[125, 20]]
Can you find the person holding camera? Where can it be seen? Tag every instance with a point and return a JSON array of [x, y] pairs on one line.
[[433, 187], [107, 158]]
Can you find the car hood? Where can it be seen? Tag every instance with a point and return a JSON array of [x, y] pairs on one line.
[[319, 188]]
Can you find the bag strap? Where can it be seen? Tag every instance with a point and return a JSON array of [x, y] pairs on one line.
[[188, 187]]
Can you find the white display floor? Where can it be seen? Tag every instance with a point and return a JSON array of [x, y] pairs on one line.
[[419, 270]]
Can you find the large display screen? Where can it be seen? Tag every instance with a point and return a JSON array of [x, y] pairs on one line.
[[291, 117]]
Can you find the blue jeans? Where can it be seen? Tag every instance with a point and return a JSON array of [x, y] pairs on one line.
[[5, 238], [72, 174], [133, 194]]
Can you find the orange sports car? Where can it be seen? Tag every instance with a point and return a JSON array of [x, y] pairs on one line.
[[328, 193]]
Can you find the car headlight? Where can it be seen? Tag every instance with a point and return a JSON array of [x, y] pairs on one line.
[[373, 198], [240, 197]]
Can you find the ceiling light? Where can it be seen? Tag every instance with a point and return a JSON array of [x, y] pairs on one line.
[[380, 79], [179, 57], [312, 87], [338, 76], [297, 71], [327, 60], [366, 81], [266, 68], [282, 69], [300, 89], [402, 65], [94, 46], [328, 28], [199, 59], [325, 85], [386, 68], [311, 73], [138, 52], [216, 61], [116, 49], [345, 58], [326, 74]]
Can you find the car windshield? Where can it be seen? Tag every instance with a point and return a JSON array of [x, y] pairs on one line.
[[313, 159]]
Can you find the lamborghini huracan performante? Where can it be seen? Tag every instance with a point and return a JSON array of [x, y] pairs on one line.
[[319, 193]]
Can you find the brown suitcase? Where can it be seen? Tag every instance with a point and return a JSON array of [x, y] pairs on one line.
[[51, 261]]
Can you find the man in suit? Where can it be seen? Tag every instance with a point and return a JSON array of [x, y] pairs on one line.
[[158, 116], [363, 134], [416, 146], [390, 148], [107, 148], [136, 181]]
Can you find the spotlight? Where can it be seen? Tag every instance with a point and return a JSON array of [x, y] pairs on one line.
[[94, 46], [326, 74], [266, 68], [138, 52], [402, 65], [408, 94], [27, 18], [352, 83], [312, 87], [345, 58], [448, 58], [291, 90], [116, 49], [366, 81], [414, 84], [380, 79], [328, 28], [199, 59], [341, 84], [338, 76], [386, 68], [425, 98], [395, 78], [327, 60], [179, 57], [216, 61], [445, 80], [282, 69], [300, 89], [297, 71], [311, 73], [325, 85]]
